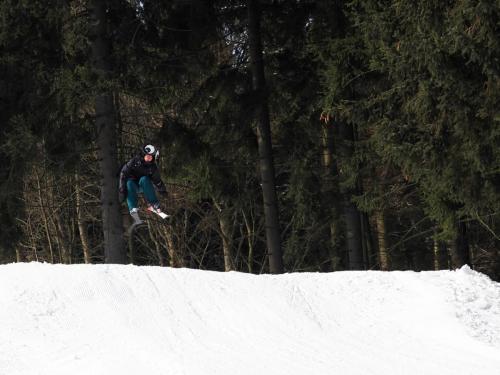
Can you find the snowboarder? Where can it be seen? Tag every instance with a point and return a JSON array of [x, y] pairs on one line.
[[140, 175]]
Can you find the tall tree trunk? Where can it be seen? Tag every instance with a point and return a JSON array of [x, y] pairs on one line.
[[226, 234], [459, 247], [435, 253], [352, 216], [20, 257], [327, 146], [367, 241], [56, 219], [114, 242], [439, 257], [174, 250], [353, 234], [250, 239], [330, 194], [80, 218], [382, 241], [264, 140], [31, 236], [45, 218], [227, 242], [226, 229]]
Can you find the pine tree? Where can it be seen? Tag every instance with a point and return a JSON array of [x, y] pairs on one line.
[[430, 110], [30, 45], [114, 246]]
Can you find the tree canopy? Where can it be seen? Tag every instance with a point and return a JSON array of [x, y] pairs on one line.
[[383, 116]]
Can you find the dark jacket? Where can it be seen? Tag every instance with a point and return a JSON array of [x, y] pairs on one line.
[[136, 168]]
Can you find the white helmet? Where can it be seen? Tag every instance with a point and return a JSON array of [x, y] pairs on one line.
[[149, 149]]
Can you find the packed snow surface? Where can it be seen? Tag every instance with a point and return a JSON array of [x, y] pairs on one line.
[[111, 319]]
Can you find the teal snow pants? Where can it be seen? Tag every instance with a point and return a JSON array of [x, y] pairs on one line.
[[144, 186]]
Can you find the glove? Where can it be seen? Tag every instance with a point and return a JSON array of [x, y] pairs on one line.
[[122, 195]]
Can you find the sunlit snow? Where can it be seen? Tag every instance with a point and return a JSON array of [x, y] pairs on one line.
[[111, 319]]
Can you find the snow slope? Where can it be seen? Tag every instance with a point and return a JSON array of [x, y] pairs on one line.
[[110, 319]]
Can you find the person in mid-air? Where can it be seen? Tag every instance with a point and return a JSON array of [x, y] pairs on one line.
[[141, 175]]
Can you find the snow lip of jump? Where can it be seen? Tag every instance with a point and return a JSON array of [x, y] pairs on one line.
[[128, 319]]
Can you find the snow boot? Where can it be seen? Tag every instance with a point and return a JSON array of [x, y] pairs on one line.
[[134, 212]]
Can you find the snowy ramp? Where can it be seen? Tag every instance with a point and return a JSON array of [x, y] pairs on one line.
[[110, 319]]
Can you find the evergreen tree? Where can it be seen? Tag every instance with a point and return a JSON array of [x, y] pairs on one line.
[[383, 117], [114, 246], [438, 121], [30, 58]]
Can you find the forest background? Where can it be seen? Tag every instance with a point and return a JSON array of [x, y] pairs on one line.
[[295, 135]]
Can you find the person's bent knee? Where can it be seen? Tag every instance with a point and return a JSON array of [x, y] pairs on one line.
[[132, 185], [144, 180]]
